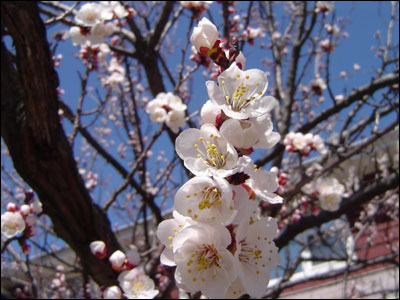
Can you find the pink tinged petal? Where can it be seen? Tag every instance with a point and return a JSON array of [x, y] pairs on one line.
[[117, 259]]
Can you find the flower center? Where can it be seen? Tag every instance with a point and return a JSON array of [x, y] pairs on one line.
[[240, 98], [206, 257], [139, 286], [212, 156], [249, 254], [211, 197]]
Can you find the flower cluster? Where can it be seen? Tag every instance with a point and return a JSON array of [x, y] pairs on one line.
[[92, 19], [168, 108], [197, 7], [133, 281], [21, 220], [217, 238], [303, 144], [329, 192]]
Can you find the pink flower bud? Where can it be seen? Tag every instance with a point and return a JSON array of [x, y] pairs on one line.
[[25, 210], [117, 260], [12, 207], [98, 249], [204, 37], [112, 292]]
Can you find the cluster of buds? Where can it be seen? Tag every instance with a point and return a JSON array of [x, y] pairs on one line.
[[196, 7], [318, 85], [58, 284], [21, 220], [303, 144], [168, 108], [282, 180], [217, 238], [89, 55], [327, 45], [133, 282]]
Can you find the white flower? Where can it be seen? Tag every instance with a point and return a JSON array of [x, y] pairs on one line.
[[256, 254], [117, 260], [318, 144], [255, 32], [332, 29], [206, 200], [194, 4], [12, 223], [98, 248], [89, 14], [262, 183], [111, 8], [330, 192], [158, 115], [204, 37], [327, 45], [112, 292], [114, 79], [137, 285], [300, 142], [175, 119], [240, 93], [166, 232], [203, 261], [206, 152], [356, 67], [318, 85], [76, 36], [98, 33], [254, 132], [168, 108], [209, 112], [324, 6]]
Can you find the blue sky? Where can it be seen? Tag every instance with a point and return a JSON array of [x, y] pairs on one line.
[[363, 20]]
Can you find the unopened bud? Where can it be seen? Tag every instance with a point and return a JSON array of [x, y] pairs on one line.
[[98, 249]]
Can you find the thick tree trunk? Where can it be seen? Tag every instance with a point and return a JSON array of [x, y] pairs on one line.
[[37, 143]]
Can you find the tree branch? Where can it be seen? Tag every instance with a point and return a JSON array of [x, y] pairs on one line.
[[37, 144]]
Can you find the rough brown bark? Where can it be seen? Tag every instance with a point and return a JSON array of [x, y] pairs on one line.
[[37, 143]]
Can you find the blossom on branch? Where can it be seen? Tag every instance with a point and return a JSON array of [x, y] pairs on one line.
[[99, 249], [256, 253], [137, 285], [240, 93], [12, 223], [206, 200], [203, 261], [206, 152], [168, 108]]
